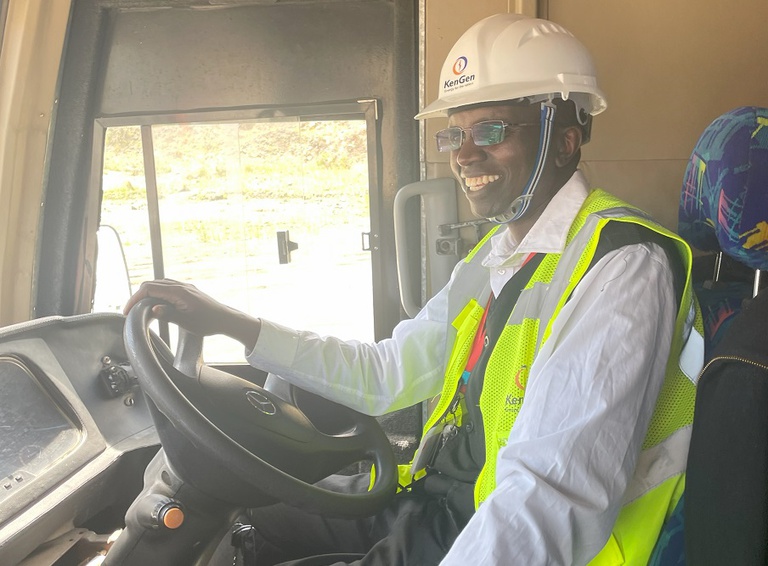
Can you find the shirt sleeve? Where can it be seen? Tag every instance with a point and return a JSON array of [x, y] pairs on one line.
[[591, 393], [371, 378]]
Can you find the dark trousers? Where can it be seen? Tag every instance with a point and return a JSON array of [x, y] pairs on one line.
[[415, 529]]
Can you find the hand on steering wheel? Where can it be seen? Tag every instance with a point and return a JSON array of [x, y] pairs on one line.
[[278, 428]]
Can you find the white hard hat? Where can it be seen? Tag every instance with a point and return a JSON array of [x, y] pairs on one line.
[[510, 56]]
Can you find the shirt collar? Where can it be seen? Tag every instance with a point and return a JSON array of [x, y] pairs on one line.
[[548, 234]]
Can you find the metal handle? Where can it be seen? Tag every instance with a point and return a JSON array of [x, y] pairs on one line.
[[439, 199]]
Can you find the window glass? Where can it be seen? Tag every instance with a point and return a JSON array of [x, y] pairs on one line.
[[224, 191]]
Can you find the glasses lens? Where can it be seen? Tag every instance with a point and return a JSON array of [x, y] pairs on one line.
[[449, 139], [488, 133]]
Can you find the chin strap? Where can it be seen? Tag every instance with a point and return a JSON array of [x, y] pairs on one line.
[[520, 205]]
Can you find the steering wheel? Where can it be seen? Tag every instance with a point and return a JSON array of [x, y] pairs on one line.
[[299, 441]]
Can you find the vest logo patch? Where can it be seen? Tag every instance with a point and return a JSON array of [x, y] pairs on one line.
[[521, 378], [514, 401]]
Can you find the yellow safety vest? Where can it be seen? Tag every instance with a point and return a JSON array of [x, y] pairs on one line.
[[660, 477]]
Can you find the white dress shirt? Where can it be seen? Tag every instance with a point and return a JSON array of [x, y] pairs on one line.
[[590, 395]]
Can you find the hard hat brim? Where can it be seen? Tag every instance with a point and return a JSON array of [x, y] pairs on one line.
[[500, 93]]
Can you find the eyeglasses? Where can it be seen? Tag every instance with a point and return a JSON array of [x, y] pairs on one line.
[[486, 133]]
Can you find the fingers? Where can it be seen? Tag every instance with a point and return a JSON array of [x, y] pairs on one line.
[[161, 312], [136, 297], [169, 290], [199, 313]]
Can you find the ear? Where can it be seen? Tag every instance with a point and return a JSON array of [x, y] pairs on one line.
[[568, 144]]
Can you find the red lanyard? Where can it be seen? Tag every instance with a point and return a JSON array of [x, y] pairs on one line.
[[479, 342], [477, 347]]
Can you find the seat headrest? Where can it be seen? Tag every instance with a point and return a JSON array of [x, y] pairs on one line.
[[724, 202]]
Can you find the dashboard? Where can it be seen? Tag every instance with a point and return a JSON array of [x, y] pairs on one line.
[[76, 438], [71, 421]]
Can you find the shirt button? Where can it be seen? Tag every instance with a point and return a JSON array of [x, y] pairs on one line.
[[501, 271], [470, 426]]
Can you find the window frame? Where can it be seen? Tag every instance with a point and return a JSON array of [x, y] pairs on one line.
[[365, 109]]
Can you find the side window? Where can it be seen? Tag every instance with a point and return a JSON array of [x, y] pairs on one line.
[[204, 203]]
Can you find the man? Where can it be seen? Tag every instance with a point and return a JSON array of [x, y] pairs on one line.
[[561, 430]]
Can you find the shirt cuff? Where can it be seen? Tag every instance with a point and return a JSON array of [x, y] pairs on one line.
[[276, 346]]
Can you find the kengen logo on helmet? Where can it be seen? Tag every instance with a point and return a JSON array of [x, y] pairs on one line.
[[458, 69], [459, 65]]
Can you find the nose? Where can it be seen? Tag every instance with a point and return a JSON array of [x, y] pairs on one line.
[[469, 152]]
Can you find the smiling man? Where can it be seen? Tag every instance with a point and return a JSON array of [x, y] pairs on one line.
[[561, 432], [494, 176]]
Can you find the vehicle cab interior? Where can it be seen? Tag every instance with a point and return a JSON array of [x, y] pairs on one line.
[[267, 151]]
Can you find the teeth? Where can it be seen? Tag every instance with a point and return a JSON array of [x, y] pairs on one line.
[[477, 183]]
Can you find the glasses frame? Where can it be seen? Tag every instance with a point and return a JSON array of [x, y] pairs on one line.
[[479, 141]]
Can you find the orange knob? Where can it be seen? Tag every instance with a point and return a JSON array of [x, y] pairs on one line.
[[172, 517]]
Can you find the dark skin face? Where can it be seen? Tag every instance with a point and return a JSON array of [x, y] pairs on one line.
[[493, 176]]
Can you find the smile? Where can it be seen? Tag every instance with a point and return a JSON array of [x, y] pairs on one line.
[[476, 183]]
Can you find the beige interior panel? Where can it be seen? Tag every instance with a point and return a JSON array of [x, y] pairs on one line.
[[641, 183], [29, 62], [668, 69]]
